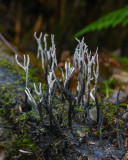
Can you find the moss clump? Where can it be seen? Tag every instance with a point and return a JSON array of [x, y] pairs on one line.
[[22, 140], [109, 113]]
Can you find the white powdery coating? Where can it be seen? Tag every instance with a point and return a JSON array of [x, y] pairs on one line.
[[91, 95], [79, 54], [30, 97], [25, 66], [51, 81], [39, 93], [89, 65], [45, 41], [68, 73], [40, 48], [79, 58], [96, 72], [85, 69], [47, 56]]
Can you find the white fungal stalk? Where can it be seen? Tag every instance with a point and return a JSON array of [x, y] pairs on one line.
[[40, 49], [30, 97], [79, 59], [48, 57], [79, 55], [91, 94], [45, 41], [85, 69], [69, 71], [91, 61], [51, 81], [53, 53], [39, 93], [89, 65], [25, 66], [96, 72]]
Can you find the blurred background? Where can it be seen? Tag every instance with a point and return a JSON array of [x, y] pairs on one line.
[[63, 18], [102, 23]]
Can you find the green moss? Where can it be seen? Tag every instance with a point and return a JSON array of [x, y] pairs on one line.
[[78, 109], [21, 137], [109, 113], [5, 100], [22, 141], [5, 63]]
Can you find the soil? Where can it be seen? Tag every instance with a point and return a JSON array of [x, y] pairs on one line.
[[74, 147]]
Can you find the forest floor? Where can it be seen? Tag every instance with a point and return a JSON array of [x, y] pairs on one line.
[[23, 138]]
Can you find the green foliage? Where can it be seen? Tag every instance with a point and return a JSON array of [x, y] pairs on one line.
[[110, 20], [123, 61], [107, 86]]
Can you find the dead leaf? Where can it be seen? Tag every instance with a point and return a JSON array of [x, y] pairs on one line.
[[91, 143], [126, 142], [20, 109], [104, 158], [116, 145]]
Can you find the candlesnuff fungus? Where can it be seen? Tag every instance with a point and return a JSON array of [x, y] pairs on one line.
[[40, 49], [48, 57], [88, 70], [25, 66], [30, 97], [39, 93], [51, 81], [96, 73], [69, 71]]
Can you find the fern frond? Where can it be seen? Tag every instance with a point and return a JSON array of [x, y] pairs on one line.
[[110, 20]]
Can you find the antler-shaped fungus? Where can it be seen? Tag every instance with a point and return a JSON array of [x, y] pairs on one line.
[[25, 66], [68, 74]]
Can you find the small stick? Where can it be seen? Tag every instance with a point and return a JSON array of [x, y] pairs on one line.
[[9, 46]]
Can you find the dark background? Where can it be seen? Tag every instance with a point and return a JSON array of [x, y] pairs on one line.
[[19, 19]]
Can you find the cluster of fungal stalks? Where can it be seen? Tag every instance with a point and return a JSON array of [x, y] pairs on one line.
[[85, 72], [88, 73], [84, 62]]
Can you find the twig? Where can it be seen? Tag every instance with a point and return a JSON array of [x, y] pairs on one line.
[[9, 46]]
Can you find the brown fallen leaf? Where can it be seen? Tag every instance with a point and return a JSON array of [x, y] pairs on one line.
[[126, 142], [115, 145], [104, 158], [91, 143], [61, 64], [20, 109]]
